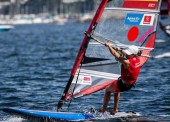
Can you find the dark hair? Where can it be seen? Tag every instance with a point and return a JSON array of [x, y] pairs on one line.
[[139, 53]]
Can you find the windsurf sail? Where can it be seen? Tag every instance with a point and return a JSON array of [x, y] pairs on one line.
[[165, 17], [165, 7], [124, 23]]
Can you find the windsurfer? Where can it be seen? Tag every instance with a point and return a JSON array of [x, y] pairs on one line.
[[130, 68]]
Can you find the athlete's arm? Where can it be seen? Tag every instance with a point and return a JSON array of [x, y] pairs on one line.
[[120, 50], [121, 59]]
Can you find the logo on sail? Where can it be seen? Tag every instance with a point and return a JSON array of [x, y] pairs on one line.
[[87, 80], [139, 19], [152, 5], [133, 19], [147, 19]]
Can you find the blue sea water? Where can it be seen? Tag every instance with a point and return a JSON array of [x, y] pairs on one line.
[[35, 64]]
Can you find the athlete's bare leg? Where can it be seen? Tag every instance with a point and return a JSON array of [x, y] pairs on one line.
[[116, 102], [106, 100]]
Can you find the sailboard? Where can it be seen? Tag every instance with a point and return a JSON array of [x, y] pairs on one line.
[[124, 23], [48, 115], [69, 116]]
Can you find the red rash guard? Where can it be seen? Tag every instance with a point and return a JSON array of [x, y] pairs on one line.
[[130, 74]]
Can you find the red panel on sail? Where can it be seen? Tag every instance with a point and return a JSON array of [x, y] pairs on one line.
[[149, 44], [94, 88], [141, 4]]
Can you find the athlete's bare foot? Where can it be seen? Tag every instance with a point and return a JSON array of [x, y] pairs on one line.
[[113, 112], [102, 110]]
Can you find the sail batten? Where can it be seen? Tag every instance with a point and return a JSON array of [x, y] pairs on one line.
[[133, 9], [98, 74]]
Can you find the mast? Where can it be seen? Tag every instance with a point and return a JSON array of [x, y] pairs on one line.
[[82, 51]]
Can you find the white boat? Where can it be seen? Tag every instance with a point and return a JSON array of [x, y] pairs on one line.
[[5, 28]]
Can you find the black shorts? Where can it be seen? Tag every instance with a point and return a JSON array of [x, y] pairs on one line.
[[122, 86]]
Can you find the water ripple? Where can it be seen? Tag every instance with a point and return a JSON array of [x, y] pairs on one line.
[[36, 61]]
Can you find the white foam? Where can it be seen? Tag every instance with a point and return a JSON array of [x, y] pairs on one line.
[[167, 27], [13, 119], [167, 31], [164, 55], [165, 115], [107, 115], [160, 40]]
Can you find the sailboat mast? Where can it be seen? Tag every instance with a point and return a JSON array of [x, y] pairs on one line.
[[82, 51]]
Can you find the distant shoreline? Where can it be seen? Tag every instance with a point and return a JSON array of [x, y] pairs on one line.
[[44, 18]]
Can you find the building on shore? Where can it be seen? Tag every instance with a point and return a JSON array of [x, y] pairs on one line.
[[45, 11]]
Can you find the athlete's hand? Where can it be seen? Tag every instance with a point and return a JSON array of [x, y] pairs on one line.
[[107, 44], [118, 49]]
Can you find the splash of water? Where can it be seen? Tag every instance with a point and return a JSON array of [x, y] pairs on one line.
[[13, 119], [164, 55]]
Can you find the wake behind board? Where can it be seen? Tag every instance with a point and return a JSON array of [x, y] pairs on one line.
[[68, 116]]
